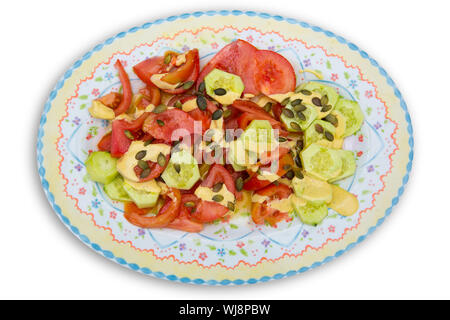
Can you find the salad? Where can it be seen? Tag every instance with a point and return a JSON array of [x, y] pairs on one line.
[[200, 145]]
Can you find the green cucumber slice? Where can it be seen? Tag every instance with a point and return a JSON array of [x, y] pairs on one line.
[[142, 198], [312, 213], [310, 114], [115, 190], [353, 115], [101, 167], [312, 134], [321, 162], [223, 87], [239, 157], [182, 171], [258, 137], [312, 189], [348, 164]]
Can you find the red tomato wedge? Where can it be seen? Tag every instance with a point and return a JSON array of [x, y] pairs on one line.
[[105, 143], [260, 212], [185, 70], [155, 170], [111, 99], [274, 73], [184, 220], [237, 58], [151, 94], [166, 214], [127, 92], [208, 211], [169, 125], [218, 173], [120, 142], [145, 69], [280, 191], [129, 207]]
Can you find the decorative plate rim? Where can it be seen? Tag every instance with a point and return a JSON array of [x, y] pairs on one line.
[[133, 266]]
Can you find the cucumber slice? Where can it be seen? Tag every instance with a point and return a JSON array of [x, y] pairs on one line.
[[115, 190], [223, 87], [312, 189], [348, 164], [353, 115], [258, 137], [141, 197], [313, 134], [101, 167], [182, 171], [321, 162], [239, 157], [323, 90], [312, 213], [310, 115]]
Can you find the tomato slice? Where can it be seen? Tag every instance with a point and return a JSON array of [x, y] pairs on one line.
[[152, 94], [127, 92], [185, 70], [208, 211], [260, 212], [254, 183], [218, 173], [169, 125], [129, 207], [120, 142], [105, 143], [193, 77], [184, 220], [237, 58], [111, 99], [277, 109], [274, 73], [276, 217], [145, 69], [166, 214], [155, 170], [280, 191]]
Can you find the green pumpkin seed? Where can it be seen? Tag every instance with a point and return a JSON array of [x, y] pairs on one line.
[[128, 134], [217, 187], [296, 102], [189, 204], [220, 92], [288, 113], [268, 106], [160, 122], [188, 84], [305, 92], [299, 145], [239, 183], [202, 87], [217, 114], [161, 160], [160, 108], [202, 103], [301, 116], [324, 100], [300, 107], [290, 174], [140, 155], [142, 164], [177, 167], [227, 113], [318, 128], [326, 108], [316, 101], [230, 206], [167, 59], [295, 126], [297, 161], [332, 119], [147, 142], [285, 101], [298, 174], [329, 136], [178, 104], [145, 173], [282, 139], [218, 198]]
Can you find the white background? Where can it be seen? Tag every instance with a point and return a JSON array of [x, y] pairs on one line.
[[407, 257]]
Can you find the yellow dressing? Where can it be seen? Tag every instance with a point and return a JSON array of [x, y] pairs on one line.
[[100, 111], [207, 194], [343, 202]]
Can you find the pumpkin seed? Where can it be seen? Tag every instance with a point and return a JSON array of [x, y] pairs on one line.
[[202, 87], [160, 122], [188, 84], [324, 100], [332, 119], [295, 126], [220, 92], [147, 142], [177, 167], [145, 173], [140, 155], [230, 206], [298, 162], [167, 59], [161, 160], [329, 136], [318, 128], [178, 104], [305, 92], [282, 139], [227, 113], [268, 106], [288, 113], [326, 108], [204, 168], [217, 114], [202, 103], [142, 164], [189, 204], [300, 107], [217, 187], [316, 101], [296, 102], [217, 198], [299, 174], [285, 101], [160, 108], [299, 144], [290, 174], [239, 183], [129, 135], [301, 116], [179, 85]]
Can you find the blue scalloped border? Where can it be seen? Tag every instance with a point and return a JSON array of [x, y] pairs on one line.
[[133, 266]]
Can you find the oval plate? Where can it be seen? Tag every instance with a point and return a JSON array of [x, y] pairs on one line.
[[237, 252]]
